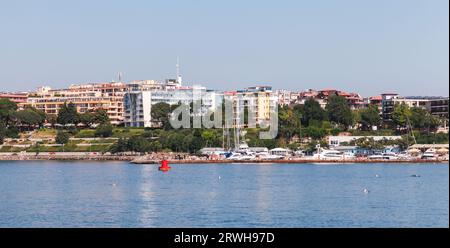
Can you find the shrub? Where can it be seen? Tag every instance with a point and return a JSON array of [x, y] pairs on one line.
[[104, 130], [62, 137]]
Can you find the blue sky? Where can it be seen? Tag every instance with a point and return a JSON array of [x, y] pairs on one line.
[[365, 46]]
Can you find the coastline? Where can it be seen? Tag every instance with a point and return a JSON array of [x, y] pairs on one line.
[[134, 159], [67, 158], [293, 161]]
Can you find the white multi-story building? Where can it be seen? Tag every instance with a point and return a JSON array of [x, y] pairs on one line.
[[138, 103], [284, 97]]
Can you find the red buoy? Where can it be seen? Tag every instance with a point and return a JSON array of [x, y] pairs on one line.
[[165, 166]]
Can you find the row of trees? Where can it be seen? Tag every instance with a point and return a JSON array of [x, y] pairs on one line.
[[9, 118], [311, 120], [69, 118], [22, 119], [417, 117], [68, 115], [13, 121], [306, 120], [154, 140], [31, 117], [192, 140]]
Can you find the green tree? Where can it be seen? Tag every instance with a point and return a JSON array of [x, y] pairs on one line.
[[138, 144], [433, 123], [12, 132], [401, 115], [197, 141], [155, 146], [339, 111], [315, 132], [193, 141], [86, 118], [120, 146], [423, 120], [175, 141], [369, 117], [418, 117], [7, 110], [405, 142], [369, 143], [2, 132], [104, 130], [160, 114], [68, 114], [289, 122], [98, 116], [281, 142], [101, 116], [432, 138], [62, 137], [29, 118], [209, 137], [51, 119], [187, 143], [312, 111]]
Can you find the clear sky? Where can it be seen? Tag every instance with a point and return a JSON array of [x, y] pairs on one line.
[[364, 46]]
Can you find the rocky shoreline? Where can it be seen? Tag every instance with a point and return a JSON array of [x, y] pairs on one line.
[[67, 158], [288, 161], [135, 159]]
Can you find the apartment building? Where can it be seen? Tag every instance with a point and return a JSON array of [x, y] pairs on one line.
[[138, 102], [284, 97], [261, 101], [85, 97], [435, 105], [355, 100], [15, 97]]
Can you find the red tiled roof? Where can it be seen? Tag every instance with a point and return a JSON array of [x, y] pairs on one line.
[[341, 93], [230, 92], [377, 98]]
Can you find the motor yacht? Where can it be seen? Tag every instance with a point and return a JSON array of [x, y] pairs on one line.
[[333, 155], [430, 154]]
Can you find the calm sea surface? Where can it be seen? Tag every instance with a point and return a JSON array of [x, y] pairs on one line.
[[117, 194]]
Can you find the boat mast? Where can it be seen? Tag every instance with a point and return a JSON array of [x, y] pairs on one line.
[[223, 137], [410, 129], [236, 127]]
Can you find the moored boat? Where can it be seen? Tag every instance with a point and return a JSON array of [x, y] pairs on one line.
[[333, 155], [430, 154]]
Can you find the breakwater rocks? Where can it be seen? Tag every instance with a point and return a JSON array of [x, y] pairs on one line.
[[67, 158], [284, 161]]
